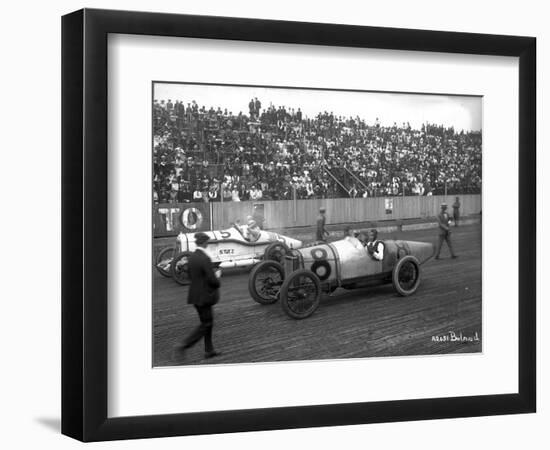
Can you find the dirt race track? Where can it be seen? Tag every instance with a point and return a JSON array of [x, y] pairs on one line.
[[349, 324]]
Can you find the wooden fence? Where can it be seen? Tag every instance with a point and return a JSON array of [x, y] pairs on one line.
[[297, 213]]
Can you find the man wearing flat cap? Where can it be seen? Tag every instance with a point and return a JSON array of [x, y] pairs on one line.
[[322, 233], [203, 295], [443, 222]]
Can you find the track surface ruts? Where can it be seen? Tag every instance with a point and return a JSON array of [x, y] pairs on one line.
[[349, 324]]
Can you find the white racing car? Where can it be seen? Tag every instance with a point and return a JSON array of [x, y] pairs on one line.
[[235, 247]]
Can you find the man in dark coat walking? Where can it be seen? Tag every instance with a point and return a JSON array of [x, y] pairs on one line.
[[321, 233], [443, 221], [456, 211], [203, 294]]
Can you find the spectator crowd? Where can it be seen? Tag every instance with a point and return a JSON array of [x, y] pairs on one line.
[[276, 152]]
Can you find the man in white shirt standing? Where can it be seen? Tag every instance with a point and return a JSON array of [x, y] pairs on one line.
[[235, 195], [197, 195]]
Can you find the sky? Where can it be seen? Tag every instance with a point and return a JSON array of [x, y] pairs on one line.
[[461, 112]]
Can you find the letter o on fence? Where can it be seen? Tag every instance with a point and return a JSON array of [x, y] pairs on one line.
[[191, 218]]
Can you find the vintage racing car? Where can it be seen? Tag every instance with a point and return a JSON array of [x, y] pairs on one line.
[[323, 267], [233, 247]]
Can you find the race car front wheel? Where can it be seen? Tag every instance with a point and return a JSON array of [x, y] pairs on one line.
[[406, 275], [265, 281], [164, 261], [300, 294], [180, 268]]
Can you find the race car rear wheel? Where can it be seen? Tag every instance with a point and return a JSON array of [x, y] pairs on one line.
[[265, 281], [276, 251], [406, 275], [164, 261], [301, 294], [180, 268]]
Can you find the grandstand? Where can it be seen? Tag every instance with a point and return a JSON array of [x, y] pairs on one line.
[[279, 153]]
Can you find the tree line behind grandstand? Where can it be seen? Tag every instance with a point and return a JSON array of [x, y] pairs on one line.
[[278, 153]]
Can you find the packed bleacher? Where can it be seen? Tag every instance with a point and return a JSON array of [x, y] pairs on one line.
[[276, 153]]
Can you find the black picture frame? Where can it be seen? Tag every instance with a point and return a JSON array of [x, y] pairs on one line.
[[84, 224]]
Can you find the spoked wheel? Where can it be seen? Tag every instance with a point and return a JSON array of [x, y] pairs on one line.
[[276, 252], [406, 275], [180, 268], [164, 261], [265, 282], [301, 294]]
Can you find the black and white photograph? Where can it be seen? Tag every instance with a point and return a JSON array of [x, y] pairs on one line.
[[298, 224], [275, 225]]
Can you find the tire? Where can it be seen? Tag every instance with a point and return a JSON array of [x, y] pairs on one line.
[[179, 269], [406, 275], [164, 261], [265, 281], [276, 251], [302, 300]]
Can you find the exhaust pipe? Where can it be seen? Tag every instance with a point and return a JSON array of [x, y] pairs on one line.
[[238, 263]]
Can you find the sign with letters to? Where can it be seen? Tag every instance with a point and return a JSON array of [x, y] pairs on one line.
[[170, 219]]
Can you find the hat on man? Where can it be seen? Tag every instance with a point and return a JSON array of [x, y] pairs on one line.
[[322, 209], [443, 205], [201, 238]]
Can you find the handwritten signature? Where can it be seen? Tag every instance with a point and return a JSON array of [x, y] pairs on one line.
[[451, 336]]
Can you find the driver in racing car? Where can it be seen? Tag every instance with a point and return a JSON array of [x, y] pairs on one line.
[[252, 231], [374, 247]]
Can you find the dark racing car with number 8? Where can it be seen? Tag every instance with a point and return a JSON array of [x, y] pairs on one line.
[[322, 267]]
